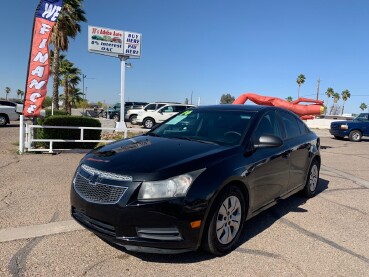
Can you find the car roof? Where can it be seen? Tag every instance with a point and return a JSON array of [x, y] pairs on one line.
[[7, 103], [232, 107]]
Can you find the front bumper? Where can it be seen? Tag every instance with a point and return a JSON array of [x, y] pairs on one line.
[[156, 227], [339, 132]]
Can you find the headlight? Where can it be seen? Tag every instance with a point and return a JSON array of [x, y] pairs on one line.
[[344, 127], [173, 187]]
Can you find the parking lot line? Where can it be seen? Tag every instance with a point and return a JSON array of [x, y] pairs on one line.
[[34, 231]]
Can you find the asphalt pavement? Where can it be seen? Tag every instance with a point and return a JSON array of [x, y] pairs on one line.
[[323, 236]]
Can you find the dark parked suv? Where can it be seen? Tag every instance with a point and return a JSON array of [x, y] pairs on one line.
[[114, 112], [194, 179]]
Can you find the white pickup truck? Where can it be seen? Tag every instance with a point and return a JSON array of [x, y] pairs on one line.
[[7, 114]]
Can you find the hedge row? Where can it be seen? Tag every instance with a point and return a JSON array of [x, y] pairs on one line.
[[56, 112], [77, 121]]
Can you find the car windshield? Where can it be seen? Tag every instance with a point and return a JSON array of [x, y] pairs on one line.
[[362, 116], [207, 126]]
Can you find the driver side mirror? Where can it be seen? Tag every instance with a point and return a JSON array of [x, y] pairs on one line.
[[268, 141]]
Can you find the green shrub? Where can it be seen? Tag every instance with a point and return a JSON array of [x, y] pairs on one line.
[[77, 121], [56, 112]]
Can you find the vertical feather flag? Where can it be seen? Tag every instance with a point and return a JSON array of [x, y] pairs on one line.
[[47, 13]]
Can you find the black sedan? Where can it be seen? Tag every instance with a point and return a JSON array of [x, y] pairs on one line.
[[193, 180]]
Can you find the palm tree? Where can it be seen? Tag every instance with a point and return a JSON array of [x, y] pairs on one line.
[[300, 80], [66, 27], [76, 96], [363, 106], [289, 98], [7, 91], [345, 95], [336, 96], [70, 78], [329, 94], [20, 93]]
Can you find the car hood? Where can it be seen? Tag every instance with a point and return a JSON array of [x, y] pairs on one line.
[[346, 122], [154, 158]]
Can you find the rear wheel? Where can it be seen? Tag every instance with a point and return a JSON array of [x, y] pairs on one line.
[[3, 120], [312, 180], [115, 117], [148, 123], [226, 219], [355, 135]]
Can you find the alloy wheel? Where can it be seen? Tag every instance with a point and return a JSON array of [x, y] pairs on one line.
[[228, 220], [2, 121], [313, 178]]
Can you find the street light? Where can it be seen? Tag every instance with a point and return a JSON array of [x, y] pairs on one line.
[[123, 64]]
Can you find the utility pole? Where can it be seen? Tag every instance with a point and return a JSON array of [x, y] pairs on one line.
[[191, 97], [317, 90]]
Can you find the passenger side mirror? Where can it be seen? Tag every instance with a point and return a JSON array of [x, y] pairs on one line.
[[267, 141]]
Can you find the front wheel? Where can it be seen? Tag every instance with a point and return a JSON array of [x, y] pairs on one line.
[[133, 119], [312, 180], [355, 135], [148, 123], [226, 218]]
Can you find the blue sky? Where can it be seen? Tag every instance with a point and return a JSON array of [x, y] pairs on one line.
[[210, 47]]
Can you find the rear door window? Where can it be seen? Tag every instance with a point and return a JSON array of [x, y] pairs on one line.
[[291, 125]]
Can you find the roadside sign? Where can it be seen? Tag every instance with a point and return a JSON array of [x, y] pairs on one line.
[[132, 44], [113, 42]]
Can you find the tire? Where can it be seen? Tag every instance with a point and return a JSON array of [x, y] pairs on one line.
[[312, 180], [133, 119], [338, 137], [148, 123], [225, 222], [115, 117], [355, 136], [3, 120]]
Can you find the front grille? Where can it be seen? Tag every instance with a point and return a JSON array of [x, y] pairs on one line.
[[97, 192]]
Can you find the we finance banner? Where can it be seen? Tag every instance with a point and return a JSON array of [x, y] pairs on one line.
[[47, 13]]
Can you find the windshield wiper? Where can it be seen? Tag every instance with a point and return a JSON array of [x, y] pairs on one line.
[[193, 139]]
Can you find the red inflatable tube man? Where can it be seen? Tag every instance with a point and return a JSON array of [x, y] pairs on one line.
[[304, 111]]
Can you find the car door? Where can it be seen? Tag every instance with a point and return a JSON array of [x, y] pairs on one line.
[[365, 125], [268, 177], [164, 113], [296, 133]]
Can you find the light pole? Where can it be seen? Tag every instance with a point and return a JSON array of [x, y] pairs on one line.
[[84, 76], [123, 64], [83, 92]]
